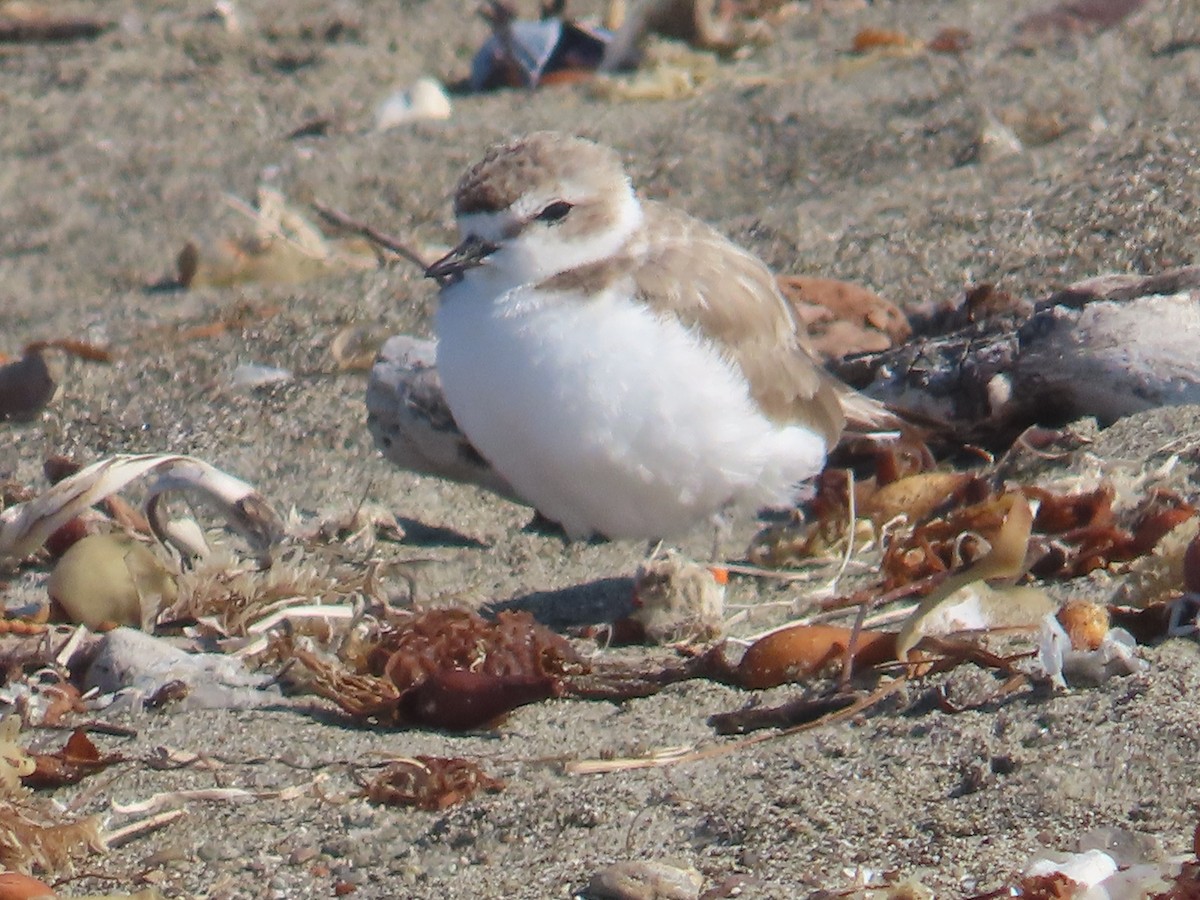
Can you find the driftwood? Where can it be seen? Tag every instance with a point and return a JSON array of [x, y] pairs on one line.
[[1106, 347], [411, 423]]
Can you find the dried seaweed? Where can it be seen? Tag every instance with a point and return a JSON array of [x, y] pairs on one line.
[[78, 759], [34, 834], [1083, 532], [448, 668], [1073, 533], [429, 782]]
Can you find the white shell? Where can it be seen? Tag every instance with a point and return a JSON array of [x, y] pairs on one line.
[[425, 100]]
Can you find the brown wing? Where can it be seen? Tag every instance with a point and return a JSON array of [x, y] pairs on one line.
[[690, 270]]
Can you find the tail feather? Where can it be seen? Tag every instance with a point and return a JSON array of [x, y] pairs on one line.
[[870, 418], [865, 415]]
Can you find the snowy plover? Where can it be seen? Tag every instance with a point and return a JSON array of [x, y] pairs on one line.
[[628, 370]]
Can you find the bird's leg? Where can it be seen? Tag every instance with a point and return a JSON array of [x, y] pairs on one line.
[[722, 523]]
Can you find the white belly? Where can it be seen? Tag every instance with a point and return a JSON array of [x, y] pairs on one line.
[[609, 419]]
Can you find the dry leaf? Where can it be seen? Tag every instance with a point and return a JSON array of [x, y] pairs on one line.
[[78, 759], [15, 886], [842, 318], [1005, 559], [916, 497], [33, 833], [796, 652]]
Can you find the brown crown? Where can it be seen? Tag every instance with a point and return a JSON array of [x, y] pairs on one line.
[[508, 170]]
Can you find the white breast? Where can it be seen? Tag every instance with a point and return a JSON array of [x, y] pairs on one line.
[[608, 418]]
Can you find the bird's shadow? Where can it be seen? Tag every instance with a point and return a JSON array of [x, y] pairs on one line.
[[601, 601], [421, 534], [541, 526]]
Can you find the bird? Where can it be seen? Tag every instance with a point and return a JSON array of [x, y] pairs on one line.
[[629, 370]]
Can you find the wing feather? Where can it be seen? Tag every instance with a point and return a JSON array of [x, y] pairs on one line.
[[688, 269]]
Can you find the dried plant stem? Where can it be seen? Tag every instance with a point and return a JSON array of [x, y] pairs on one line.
[[851, 521], [372, 234], [141, 827], [663, 758]]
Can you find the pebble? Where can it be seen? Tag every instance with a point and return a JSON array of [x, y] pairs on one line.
[[337, 847], [26, 386], [253, 375], [646, 880], [301, 855], [997, 141], [217, 851]]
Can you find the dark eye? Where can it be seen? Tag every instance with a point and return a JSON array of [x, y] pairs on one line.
[[555, 212]]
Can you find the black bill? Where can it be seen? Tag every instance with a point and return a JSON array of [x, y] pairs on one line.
[[472, 252]]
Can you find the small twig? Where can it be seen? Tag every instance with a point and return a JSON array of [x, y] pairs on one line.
[[1177, 444], [837, 715], [852, 646], [920, 586], [94, 727], [1179, 45], [78, 875], [654, 760], [811, 571], [889, 617], [757, 607], [661, 759], [957, 651], [802, 710], [374, 235], [50, 31]]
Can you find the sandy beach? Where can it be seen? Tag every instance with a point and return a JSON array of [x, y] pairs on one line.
[[119, 150]]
